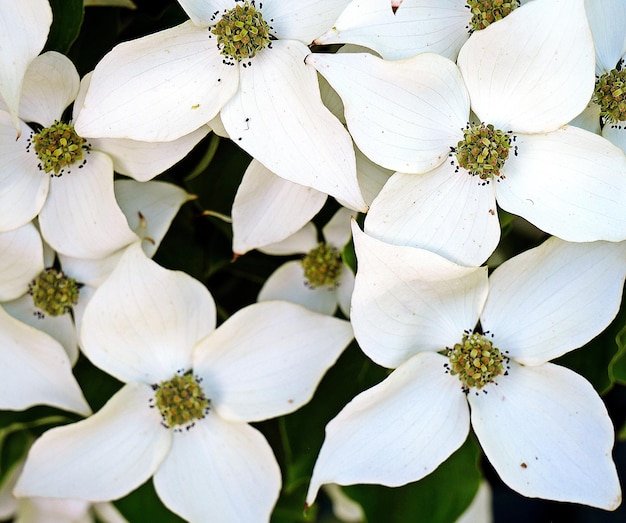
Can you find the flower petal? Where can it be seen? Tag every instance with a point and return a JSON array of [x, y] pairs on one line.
[[436, 26], [279, 103], [300, 242], [103, 457], [345, 288], [35, 370], [616, 134], [203, 12], [143, 321], [81, 217], [268, 209], [289, 283], [24, 28], [23, 186], [372, 177], [533, 71], [267, 359], [409, 300], [554, 298], [174, 77], [337, 232], [570, 183], [607, 20], [21, 260], [50, 85], [396, 432], [403, 115], [548, 435], [219, 471], [449, 213]]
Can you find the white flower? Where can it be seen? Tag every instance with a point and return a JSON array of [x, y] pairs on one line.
[[154, 330], [267, 97], [24, 29], [74, 197], [320, 280], [408, 115], [543, 427]]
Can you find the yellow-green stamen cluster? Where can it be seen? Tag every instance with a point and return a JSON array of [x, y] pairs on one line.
[[322, 266], [610, 95], [53, 292], [181, 400], [486, 12], [58, 147], [476, 361], [483, 151], [242, 32]]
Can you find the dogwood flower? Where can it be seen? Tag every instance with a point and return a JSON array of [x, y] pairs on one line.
[[467, 347], [67, 180], [524, 85], [320, 280], [245, 61], [154, 330]]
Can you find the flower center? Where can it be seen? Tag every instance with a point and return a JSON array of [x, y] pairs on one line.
[[322, 266], [242, 32], [476, 361], [485, 12], [483, 150], [610, 95], [181, 400], [58, 147], [53, 292]]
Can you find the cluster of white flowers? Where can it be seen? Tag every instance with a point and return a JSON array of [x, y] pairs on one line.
[[427, 120]]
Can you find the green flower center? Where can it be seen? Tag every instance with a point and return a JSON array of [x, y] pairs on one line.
[[181, 400], [242, 32], [486, 12], [483, 151], [610, 95], [53, 292], [58, 147], [476, 361], [322, 266]]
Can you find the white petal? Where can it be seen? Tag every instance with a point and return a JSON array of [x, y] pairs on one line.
[[554, 298], [372, 177], [589, 119], [480, 509], [607, 20], [35, 370], [305, 21], [449, 213], [403, 115], [149, 208], [570, 183], [267, 359], [548, 435], [408, 300], [143, 321], [81, 217], [337, 232], [396, 432], [533, 71], [219, 471], [174, 77], [21, 260], [23, 187], [24, 28], [344, 508], [278, 118], [616, 134], [345, 288], [203, 12], [436, 26], [50, 85], [300, 242], [268, 209], [288, 283], [103, 457]]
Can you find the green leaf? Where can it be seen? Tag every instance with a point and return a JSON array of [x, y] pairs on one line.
[[66, 23], [143, 504]]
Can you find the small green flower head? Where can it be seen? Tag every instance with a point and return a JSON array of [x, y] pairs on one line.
[[53, 292], [242, 32], [322, 266], [476, 361], [181, 400], [483, 151], [610, 95], [58, 147], [486, 12]]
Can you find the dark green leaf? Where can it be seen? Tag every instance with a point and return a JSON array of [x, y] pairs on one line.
[[67, 19]]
